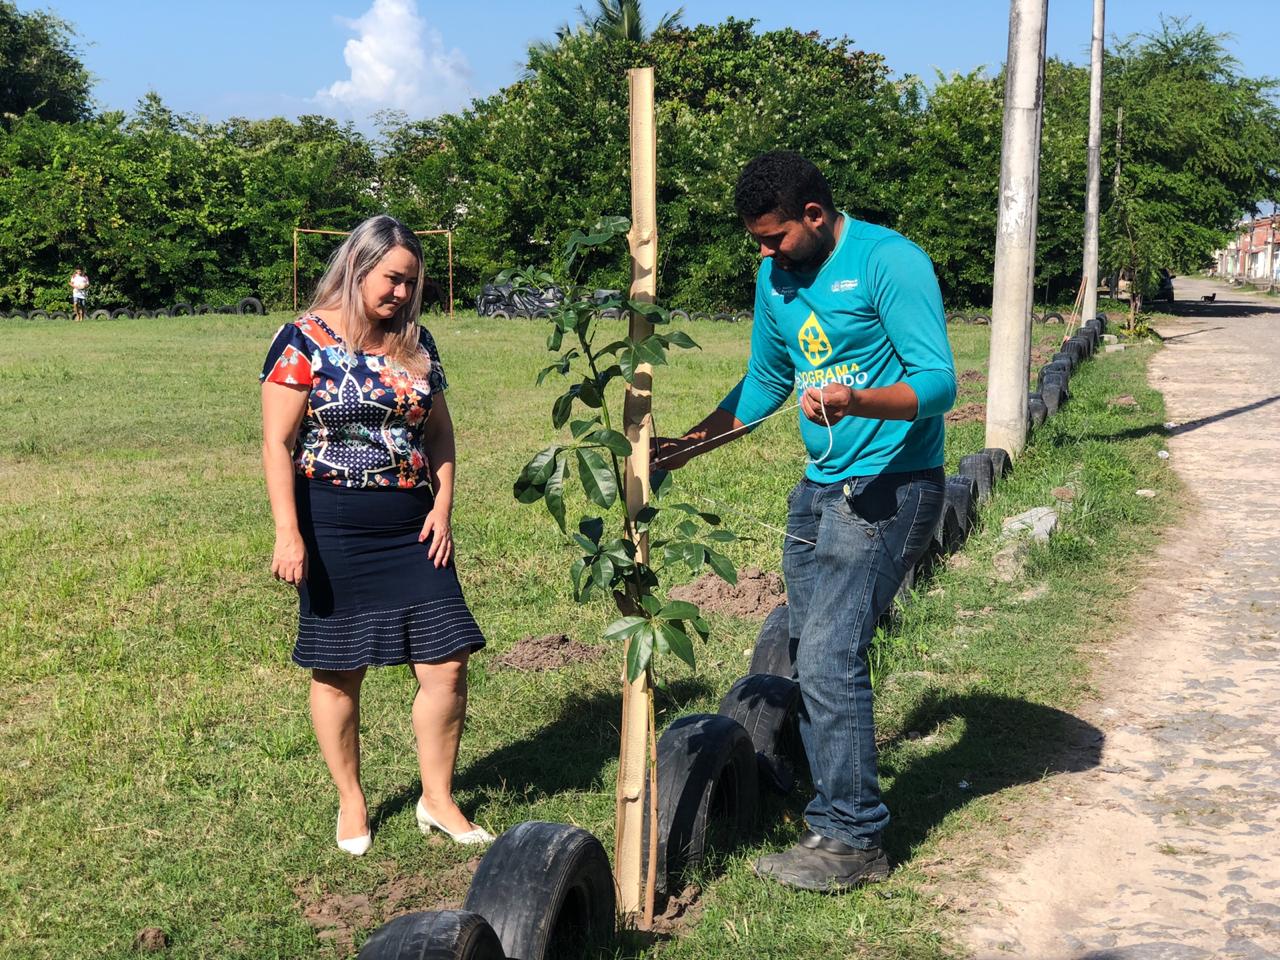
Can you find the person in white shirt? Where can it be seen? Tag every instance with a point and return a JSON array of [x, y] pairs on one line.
[[79, 292]]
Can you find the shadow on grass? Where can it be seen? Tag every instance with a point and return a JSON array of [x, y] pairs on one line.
[[566, 754], [1005, 742]]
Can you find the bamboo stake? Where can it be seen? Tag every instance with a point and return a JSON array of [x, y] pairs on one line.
[[637, 697]]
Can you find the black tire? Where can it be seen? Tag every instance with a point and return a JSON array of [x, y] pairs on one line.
[[143, 314], [722, 317], [708, 782], [981, 319], [541, 313], [203, 308], [1001, 463], [962, 496], [546, 890], [978, 467], [774, 652], [948, 536], [226, 308], [610, 313], [1037, 410], [1036, 318], [700, 315], [162, 312], [1102, 319], [1084, 344], [742, 318], [100, 315], [679, 316], [1053, 317], [38, 315], [434, 935], [182, 309], [1052, 395], [768, 708], [250, 305], [121, 313], [500, 315], [17, 314], [957, 318], [59, 315], [1063, 383], [1068, 358]]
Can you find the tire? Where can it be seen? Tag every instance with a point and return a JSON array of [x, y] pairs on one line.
[[768, 708], [948, 536], [59, 315], [226, 308], [17, 314], [1102, 319], [1001, 464], [434, 935], [143, 314], [1057, 366], [1058, 378], [708, 779], [742, 318], [250, 305], [679, 316], [610, 313], [203, 308], [1085, 345], [38, 315], [722, 317], [1051, 394], [100, 315], [774, 652], [182, 309], [981, 319], [121, 313], [1068, 358], [962, 496], [1037, 411], [700, 316], [500, 315], [541, 313], [957, 318], [978, 467], [547, 891], [1053, 317], [1036, 318], [162, 312]]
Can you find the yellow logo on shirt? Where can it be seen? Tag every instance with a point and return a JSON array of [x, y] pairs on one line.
[[813, 341]]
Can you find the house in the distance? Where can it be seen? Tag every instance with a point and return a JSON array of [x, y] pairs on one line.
[[1253, 255]]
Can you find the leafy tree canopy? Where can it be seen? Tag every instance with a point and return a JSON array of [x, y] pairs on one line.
[[39, 67]]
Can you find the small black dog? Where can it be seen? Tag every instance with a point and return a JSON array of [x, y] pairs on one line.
[[1210, 297]]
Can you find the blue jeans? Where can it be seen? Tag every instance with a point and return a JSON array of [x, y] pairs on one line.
[[866, 533]]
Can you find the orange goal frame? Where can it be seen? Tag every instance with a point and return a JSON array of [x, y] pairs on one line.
[[345, 233]]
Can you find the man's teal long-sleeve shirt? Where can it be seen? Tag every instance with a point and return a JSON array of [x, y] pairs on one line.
[[870, 317]]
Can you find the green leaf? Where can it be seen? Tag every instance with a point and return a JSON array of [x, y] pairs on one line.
[[680, 339], [623, 628], [650, 604], [613, 441], [597, 477], [620, 551], [678, 641], [614, 226], [722, 536], [576, 572], [585, 544], [660, 483], [639, 652], [723, 566], [679, 610], [555, 338], [645, 516], [687, 528], [580, 428], [530, 485], [555, 489], [589, 394], [561, 409], [602, 571], [592, 528]]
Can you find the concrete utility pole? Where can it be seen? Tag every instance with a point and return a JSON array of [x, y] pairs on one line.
[[1012, 294], [1090, 308]]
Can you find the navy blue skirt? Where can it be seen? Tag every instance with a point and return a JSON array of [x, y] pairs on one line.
[[371, 596]]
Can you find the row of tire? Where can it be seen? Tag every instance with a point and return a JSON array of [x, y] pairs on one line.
[[982, 318], [612, 313], [546, 890], [247, 305]]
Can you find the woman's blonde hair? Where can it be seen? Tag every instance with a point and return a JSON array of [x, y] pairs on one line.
[[339, 289]]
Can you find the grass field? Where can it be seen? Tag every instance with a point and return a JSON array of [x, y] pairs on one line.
[[157, 765]]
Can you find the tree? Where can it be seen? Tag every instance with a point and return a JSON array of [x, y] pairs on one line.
[[624, 20], [39, 68]]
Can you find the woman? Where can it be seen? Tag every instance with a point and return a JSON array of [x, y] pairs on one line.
[[359, 458], [79, 292]]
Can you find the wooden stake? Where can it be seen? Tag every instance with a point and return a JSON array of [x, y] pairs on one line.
[[637, 697]]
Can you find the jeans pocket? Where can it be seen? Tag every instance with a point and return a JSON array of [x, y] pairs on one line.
[[926, 500], [877, 500]]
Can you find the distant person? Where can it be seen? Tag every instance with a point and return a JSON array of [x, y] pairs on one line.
[[358, 450], [79, 292], [849, 323]]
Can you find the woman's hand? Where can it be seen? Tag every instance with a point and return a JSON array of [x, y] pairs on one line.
[[289, 559], [437, 526]]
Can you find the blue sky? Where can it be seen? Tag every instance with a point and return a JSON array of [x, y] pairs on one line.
[[349, 58]]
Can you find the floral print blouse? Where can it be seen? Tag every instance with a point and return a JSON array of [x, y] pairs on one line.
[[365, 417]]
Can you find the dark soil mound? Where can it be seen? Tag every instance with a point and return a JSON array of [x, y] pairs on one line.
[[967, 413], [755, 594], [551, 652]]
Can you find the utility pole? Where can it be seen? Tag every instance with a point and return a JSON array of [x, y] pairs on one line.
[[1093, 190], [1013, 291]]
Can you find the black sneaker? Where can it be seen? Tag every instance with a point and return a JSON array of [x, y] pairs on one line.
[[824, 865]]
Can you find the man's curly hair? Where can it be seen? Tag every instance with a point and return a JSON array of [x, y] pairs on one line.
[[781, 181]]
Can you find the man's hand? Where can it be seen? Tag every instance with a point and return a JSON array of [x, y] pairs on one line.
[[829, 405], [672, 453]]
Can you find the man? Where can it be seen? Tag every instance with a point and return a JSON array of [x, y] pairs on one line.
[[79, 292], [848, 315]]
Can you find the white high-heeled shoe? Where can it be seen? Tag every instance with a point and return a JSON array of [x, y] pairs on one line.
[[356, 846], [426, 821]]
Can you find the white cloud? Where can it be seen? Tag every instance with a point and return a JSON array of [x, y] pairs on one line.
[[397, 60]]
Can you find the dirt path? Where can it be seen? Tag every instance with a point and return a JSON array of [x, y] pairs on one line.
[[1169, 850]]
